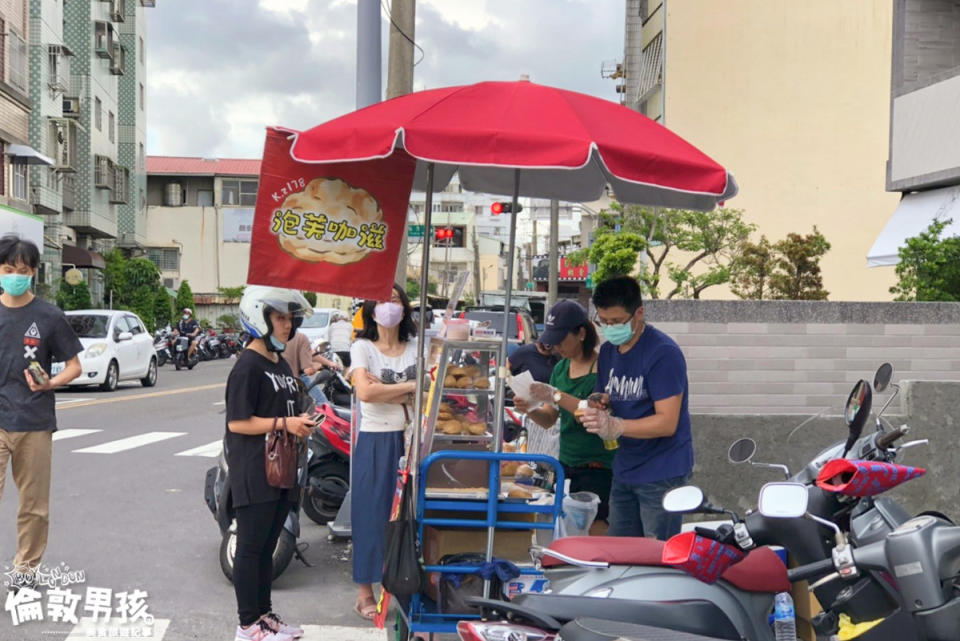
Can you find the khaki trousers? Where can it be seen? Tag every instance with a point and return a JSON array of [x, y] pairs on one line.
[[30, 453]]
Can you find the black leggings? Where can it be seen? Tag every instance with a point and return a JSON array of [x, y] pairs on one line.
[[258, 528]]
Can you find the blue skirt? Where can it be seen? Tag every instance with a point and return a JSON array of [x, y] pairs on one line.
[[376, 456]]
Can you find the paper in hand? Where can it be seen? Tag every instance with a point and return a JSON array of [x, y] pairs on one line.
[[520, 384]]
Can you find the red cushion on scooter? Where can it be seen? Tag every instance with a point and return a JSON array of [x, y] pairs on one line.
[[761, 571]]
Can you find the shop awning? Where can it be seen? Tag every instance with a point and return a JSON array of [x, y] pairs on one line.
[[81, 258], [914, 214], [32, 156]]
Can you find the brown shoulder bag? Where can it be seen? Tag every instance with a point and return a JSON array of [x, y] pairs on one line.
[[281, 455]]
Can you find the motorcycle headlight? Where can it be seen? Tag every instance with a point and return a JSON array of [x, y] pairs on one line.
[[95, 350]]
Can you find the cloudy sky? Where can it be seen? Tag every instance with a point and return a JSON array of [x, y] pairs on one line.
[[219, 71]]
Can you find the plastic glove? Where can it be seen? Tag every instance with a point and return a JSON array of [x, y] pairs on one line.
[[603, 424], [542, 393]]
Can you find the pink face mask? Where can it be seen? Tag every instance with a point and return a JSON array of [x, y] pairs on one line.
[[388, 314]]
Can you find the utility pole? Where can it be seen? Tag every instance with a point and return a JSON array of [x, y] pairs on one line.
[[399, 83], [477, 283], [553, 257], [368, 53]]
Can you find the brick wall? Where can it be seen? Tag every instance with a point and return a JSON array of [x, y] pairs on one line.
[[799, 357]]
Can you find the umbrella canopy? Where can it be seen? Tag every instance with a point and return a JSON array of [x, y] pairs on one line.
[[567, 145]]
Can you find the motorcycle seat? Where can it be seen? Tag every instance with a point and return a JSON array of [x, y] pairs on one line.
[[692, 615], [760, 571], [590, 629]]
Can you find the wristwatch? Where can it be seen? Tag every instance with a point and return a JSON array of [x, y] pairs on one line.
[[557, 395]]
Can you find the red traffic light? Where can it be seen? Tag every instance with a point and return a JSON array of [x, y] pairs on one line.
[[443, 233], [504, 208]]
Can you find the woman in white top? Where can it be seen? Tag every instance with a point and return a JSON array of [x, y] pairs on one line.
[[384, 363]]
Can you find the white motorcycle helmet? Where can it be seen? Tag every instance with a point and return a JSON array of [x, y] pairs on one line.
[[259, 300]]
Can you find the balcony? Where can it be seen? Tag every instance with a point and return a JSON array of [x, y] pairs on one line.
[[103, 172], [93, 223], [104, 39], [116, 10], [62, 144]]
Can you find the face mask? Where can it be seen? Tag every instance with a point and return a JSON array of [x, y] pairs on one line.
[[388, 314], [275, 345], [186, 317], [617, 334], [15, 284]]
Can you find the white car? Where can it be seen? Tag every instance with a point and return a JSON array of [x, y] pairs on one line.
[[116, 347], [316, 327]]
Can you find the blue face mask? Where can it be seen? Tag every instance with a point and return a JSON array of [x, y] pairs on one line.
[[617, 334], [276, 345], [15, 284]]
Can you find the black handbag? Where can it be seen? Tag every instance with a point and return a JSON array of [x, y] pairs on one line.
[[402, 571]]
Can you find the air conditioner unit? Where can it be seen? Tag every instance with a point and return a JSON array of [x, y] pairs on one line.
[[169, 282], [71, 107]]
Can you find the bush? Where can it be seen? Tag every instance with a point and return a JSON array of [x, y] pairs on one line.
[[185, 298], [74, 296], [229, 321]]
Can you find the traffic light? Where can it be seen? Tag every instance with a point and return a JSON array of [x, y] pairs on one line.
[[443, 233], [504, 208]]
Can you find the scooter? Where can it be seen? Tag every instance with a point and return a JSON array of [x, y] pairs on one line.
[[181, 349], [161, 345], [328, 471], [630, 578]]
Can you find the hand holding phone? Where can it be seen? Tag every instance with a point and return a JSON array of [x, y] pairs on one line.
[[36, 373]]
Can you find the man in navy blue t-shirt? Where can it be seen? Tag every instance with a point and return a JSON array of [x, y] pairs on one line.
[[643, 372]]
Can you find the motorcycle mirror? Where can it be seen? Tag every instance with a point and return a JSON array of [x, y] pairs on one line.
[[688, 498], [742, 451], [882, 378], [783, 500], [856, 411]]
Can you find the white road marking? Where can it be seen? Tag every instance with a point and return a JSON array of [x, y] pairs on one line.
[[210, 450], [341, 633], [129, 443], [220, 403], [67, 401], [59, 435], [87, 629]]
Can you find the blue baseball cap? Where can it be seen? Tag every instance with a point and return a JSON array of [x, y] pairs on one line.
[[564, 317]]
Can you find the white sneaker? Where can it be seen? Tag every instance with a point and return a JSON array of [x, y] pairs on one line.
[[277, 625], [260, 631]]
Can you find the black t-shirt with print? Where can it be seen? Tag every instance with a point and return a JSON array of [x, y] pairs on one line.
[[40, 332], [256, 387]]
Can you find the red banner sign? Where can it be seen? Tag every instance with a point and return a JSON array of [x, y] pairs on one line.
[[330, 228], [571, 272]]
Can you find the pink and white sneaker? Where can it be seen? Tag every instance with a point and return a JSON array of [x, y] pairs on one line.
[[276, 624], [260, 631]]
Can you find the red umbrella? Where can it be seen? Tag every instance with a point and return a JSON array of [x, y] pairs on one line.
[[568, 145]]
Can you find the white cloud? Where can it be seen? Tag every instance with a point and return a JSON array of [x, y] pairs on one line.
[[220, 71]]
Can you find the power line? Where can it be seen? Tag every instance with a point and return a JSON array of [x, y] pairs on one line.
[[401, 32]]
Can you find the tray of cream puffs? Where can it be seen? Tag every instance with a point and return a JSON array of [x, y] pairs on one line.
[[460, 419], [466, 377]]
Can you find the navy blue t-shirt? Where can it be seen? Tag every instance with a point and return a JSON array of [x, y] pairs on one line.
[[654, 369]]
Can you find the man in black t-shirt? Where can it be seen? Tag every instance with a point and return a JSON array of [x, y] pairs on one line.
[[33, 334], [188, 326], [536, 359]]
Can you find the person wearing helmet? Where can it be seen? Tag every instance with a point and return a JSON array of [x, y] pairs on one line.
[[188, 326], [260, 388]]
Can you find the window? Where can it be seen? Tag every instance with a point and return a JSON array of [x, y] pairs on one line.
[[141, 158], [3, 52], [18, 61], [19, 179], [112, 126], [141, 96], [133, 325], [479, 210], [141, 51], [3, 157], [205, 197], [239, 192], [98, 114], [53, 58], [167, 259]]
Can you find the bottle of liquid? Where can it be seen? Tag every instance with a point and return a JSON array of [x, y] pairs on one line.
[[599, 401], [784, 621]]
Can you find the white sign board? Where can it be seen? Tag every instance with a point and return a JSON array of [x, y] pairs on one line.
[[27, 226], [237, 224]]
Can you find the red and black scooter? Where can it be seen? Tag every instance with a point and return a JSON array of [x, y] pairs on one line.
[[328, 451]]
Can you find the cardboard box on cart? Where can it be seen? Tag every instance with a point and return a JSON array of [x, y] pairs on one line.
[[512, 545]]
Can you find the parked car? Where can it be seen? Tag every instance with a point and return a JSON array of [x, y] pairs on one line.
[[116, 347], [316, 327], [522, 329]]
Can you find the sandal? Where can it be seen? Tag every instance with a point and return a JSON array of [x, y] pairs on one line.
[[366, 608]]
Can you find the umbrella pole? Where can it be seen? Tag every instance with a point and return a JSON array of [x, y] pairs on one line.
[[414, 456]]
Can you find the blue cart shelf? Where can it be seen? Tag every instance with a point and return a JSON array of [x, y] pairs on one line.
[[420, 613]]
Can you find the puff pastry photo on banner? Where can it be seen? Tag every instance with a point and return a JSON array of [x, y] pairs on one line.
[[330, 228]]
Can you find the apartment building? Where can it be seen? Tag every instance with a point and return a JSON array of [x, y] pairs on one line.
[[923, 166], [793, 98]]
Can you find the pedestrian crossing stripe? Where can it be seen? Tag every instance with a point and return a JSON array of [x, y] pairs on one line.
[[129, 443], [33, 332], [60, 435], [86, 630], [210, 450]]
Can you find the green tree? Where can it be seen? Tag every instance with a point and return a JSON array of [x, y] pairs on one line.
[[74, 296], [709, 240], [929, 267], [115, 277], [229, 321], [185, 298], [751, 269], [311, 298], [796, 269], [162, 308], [413, 288], [232, 292]]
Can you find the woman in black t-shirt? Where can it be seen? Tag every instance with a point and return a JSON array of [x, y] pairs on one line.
[[260, 388]]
